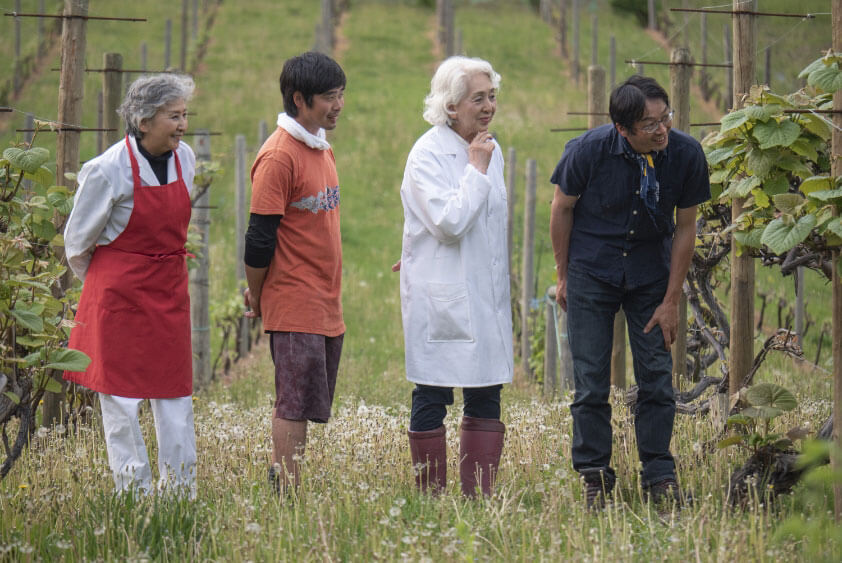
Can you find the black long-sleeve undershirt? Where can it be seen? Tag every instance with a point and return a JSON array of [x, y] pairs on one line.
[[261, 237]]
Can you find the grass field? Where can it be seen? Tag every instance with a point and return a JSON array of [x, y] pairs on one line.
[[357, 500]]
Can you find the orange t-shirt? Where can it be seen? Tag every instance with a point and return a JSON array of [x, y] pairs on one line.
[[302, 289]]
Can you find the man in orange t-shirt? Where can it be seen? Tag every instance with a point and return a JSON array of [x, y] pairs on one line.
[[293, 255]]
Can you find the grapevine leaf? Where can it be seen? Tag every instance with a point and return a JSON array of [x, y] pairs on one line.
[[762, 113], [775, 185], [802, 147], [733, 120], [780, 237], [42, 176], [816, 125], [827, 195], [829, 78], [771, 395], [776, 134], [835, 226], [52, 386], [719, 176], [68, 359], [814, 184], [730, 441], [762, 412], [28, 319], [718, 155], [817, 64], [760, 162], [795, 165], [28, 160], [750, 238], [788, 203], [761, 200], [12, 397], [743, 186]]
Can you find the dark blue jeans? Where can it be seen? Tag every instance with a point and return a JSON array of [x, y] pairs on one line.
[[429, 405], [591, 306]]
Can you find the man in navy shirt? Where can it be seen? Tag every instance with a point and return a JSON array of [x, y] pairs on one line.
[[623, 228]]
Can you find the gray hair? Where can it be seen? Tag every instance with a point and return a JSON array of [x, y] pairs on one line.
[[450, 85], [148, 94]]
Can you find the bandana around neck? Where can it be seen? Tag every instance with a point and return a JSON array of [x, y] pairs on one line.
[[649, 188], [295, 129]]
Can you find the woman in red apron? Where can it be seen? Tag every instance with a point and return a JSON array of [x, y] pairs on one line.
[[125, 239]]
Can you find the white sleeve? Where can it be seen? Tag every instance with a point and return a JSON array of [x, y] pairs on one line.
[[446, 206], [188, 164], [92, 207]]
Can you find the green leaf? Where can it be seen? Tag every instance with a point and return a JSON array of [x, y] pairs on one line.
[[28, 160], [42, 176], [729, 441], [788, 203], [762, 113], [829, 78], [30, 341], [803, 147], [835, 227], [718, 155], [827, 195], [777, 184], [738, 419], [817, 64], [52, 385], [815, 183], [743, 186], [750, 238], [68, 359], [794, 165], [28, 319], [761, 200], [760, 162], [771, 395], [733, 120], [776, 134], [780, 237], [12, 397], [816, 125], [762, 412], [719, 176]]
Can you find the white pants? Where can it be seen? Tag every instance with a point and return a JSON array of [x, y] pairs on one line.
[[127, 452]]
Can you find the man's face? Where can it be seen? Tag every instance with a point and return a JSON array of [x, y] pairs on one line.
[[323, 112], [656, 117]]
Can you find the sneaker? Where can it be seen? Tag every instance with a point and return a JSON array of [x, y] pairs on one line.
[[667, 491], [596, 495]]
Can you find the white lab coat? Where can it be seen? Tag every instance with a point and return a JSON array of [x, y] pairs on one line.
[[455, 300], [105, 199]]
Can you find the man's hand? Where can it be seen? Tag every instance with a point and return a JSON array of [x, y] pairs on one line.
[[252, 304], [561, 293], [666, 316]]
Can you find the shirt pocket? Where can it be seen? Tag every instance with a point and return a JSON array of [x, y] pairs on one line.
[[448, 313], [615, 188]]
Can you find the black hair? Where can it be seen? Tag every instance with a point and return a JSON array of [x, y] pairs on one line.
[[310, 73], [628, 100]]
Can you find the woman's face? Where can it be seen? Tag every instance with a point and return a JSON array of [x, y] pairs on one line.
[[163, 132], [475, 111]]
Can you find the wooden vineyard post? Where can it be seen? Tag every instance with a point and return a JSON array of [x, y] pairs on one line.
[[183, 58], [167, 43], [836, 283], [199, 279], [527, 275], [111, 94], [680, 73], [239, 234], [742, 266], [562, 30], [595, 39], [574, 65]]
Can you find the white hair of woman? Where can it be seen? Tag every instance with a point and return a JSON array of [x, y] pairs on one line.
[[148, 94], [450, 84]]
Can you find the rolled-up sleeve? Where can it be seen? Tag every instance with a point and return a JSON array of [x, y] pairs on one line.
[[446, 205], [92, 207]]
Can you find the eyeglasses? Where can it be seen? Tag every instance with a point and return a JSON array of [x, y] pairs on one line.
[[652, 126]]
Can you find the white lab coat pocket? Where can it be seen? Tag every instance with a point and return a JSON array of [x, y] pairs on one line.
[[449, 313]]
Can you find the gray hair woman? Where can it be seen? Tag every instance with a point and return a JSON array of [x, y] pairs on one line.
[[125, 239], [455, 278]]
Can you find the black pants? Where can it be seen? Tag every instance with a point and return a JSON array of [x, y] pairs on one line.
[[429, 405]]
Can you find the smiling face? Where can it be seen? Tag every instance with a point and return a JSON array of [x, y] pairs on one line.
[[323, 112], [657, 112], [164, 130], [476, 109]]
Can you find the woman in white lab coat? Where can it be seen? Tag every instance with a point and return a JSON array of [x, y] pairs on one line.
[[125, 239], [455, 278]]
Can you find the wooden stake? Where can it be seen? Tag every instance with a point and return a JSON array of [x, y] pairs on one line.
[[199, 279], [527, 275], [16, 78], [183, 65], [511, 194], [595, 39], [111, 93], [242, 211], [742, 267], [703, 75], [680, 97], [167, 43], [836, 300], [612, 64], [562, 30], [652, 17], [574, 66]]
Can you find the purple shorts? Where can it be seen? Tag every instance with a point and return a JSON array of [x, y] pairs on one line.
[[305, 374]]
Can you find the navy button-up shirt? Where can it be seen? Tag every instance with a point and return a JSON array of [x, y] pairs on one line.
[[614, 236]]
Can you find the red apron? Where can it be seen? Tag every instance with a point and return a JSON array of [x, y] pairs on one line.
[[134, 313]]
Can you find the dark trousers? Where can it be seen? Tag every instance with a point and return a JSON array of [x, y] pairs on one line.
[[592, 305], [429, 405]]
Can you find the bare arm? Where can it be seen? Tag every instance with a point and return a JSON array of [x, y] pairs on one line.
[[255, 278], [683, 243], [561, 224]]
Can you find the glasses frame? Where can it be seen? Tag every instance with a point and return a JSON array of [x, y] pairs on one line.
[[653, 127]]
